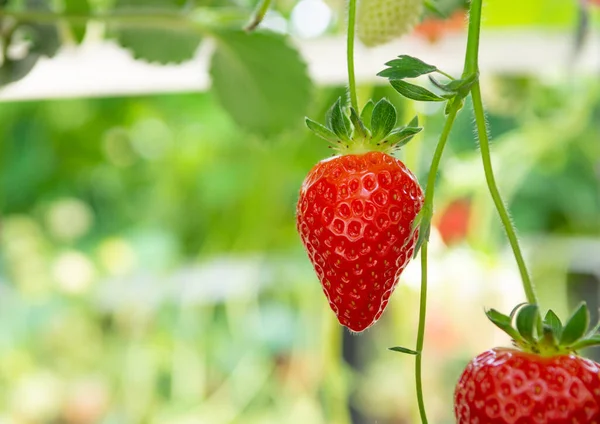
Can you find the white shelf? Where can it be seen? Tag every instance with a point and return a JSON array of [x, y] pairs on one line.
[[104, 69]]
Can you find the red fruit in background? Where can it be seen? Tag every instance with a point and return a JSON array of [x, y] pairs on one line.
[[453, 223], [354, 216], [434, 29], [508, 386]]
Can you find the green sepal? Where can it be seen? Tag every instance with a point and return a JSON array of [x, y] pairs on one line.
[[406, 67], [504, 323], [576, 326], [552, 321], [551, 337], [338, 122], [383, 120], [414, 122], [404, 350], [401, 136], [593, 331], [367, 113], [359, 128], [526, 321], [516, 309], [548, 336], [587, 342], [415, 92], [321, 131]]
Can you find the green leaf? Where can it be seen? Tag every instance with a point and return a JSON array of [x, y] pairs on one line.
[[401, 136], [406, 67], [576, 326], [77, 7], [14, 70], [338, 122], [587, 342], [322, 131], [504, 323], [40, 39], [414, 122], [526, 321], [383, 119], [404, 350], [415, 92], [257, 94], [366, 113], [158, 45], [359, 128], [43, 38], [553, 321]]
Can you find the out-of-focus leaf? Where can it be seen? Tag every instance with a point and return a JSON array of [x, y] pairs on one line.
[[160, 45], [39, 39], [260, 80], [14, 70], [78, 7]]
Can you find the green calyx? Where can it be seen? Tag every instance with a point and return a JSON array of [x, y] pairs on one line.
[[374, 129], [547, 336]]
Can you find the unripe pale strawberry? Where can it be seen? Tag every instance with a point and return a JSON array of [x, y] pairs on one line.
[[380, 21]]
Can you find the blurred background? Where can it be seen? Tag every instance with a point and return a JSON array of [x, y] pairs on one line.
[[150, 270]]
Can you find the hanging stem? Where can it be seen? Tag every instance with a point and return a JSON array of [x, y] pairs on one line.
[[428, 208], [350, 54], [259, 15], [472, 67], [421, 335]]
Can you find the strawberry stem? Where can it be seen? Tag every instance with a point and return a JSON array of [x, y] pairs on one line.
[[421, 335], [261, 10], [428, 206], [472, 67], [350, 53]]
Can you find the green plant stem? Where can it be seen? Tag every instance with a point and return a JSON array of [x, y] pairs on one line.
[[484, 146], [428, 208], [421, 335], [472, 55], [163, 19], [471, 67], [350, 53], [259, 15], [199, 21]]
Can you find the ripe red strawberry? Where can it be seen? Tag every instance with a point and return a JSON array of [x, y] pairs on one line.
[[355, 216], [542, 382]]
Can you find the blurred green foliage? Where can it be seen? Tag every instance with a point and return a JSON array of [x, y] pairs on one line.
[[150, 270]]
